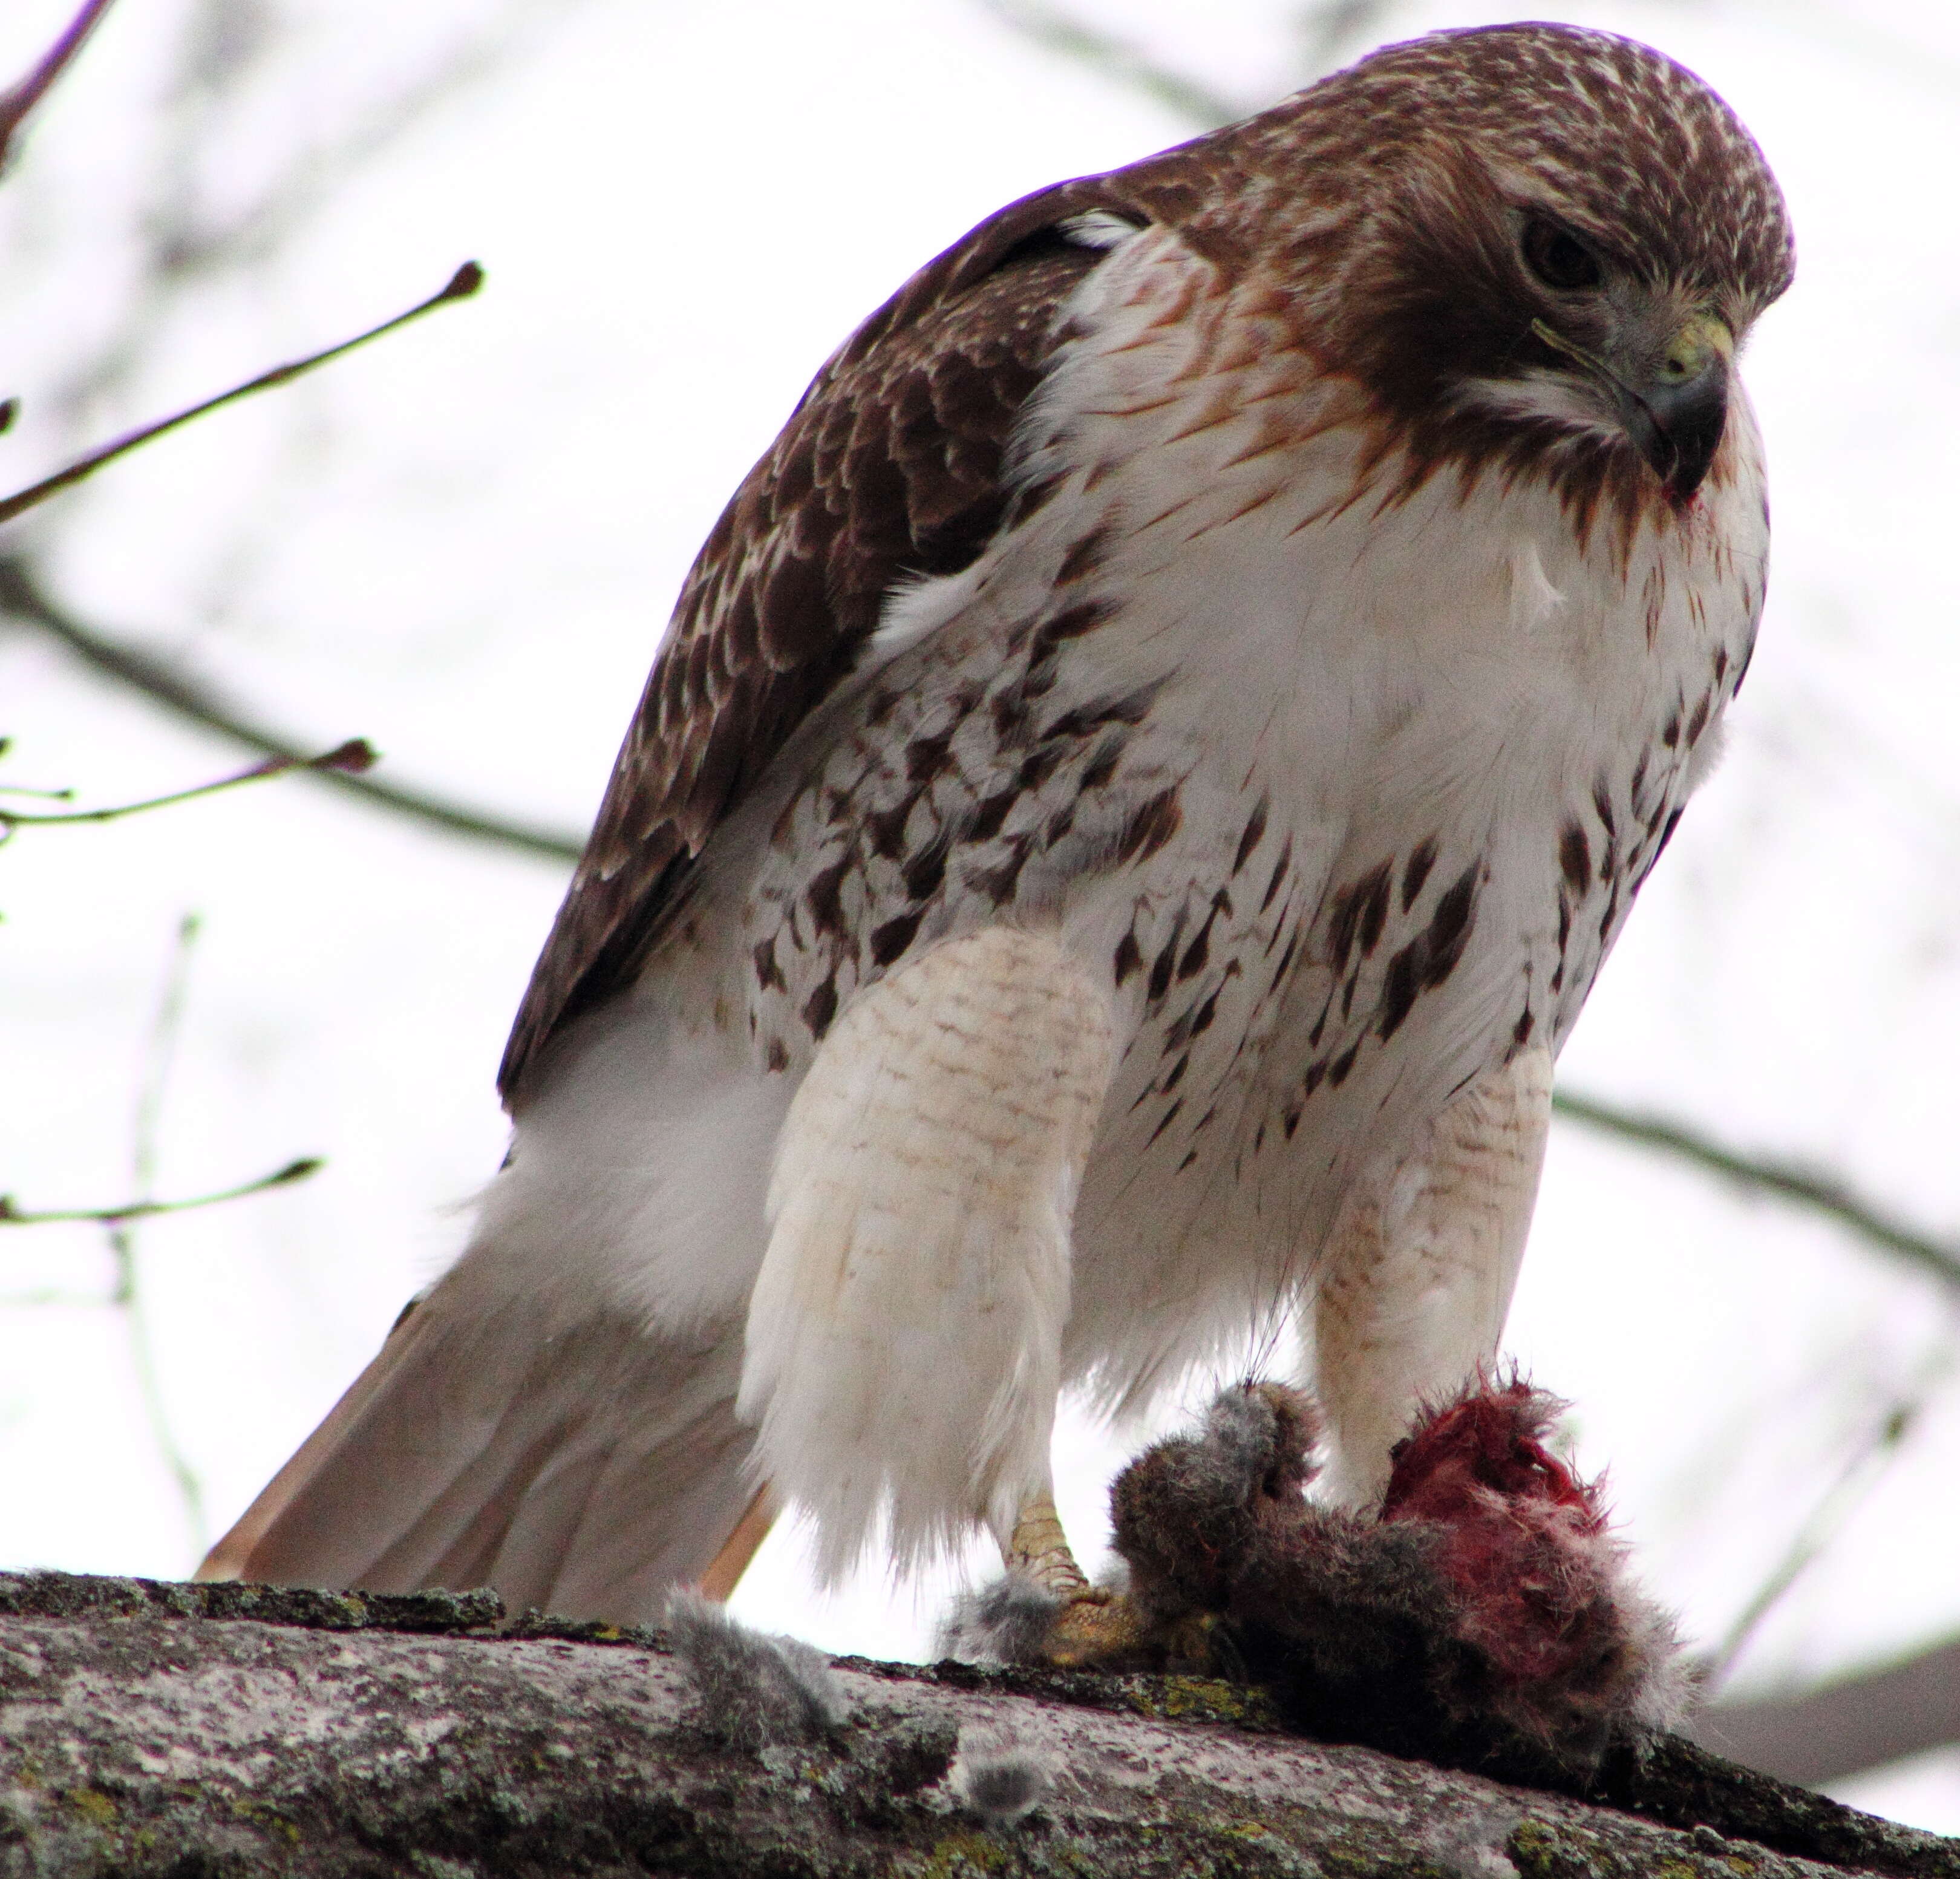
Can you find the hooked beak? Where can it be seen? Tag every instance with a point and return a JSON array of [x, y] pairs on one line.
[[1675, 419], [1675, 412]]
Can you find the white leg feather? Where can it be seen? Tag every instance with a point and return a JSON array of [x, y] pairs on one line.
[[1417, 1277], [904, 1337]]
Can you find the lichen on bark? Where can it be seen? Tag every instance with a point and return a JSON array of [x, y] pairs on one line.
[[150, 1729]]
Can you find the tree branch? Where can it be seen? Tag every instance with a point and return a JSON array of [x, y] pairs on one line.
[[164, 683], [1812, 1189], [461, 285], [349, 758], [19, 100], [13, 1216], [159, 1729], [129, 1297], [1129, 65], [1844, 1727]]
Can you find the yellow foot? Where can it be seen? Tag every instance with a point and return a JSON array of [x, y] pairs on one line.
[[1039, 1547], [1095, 1628]]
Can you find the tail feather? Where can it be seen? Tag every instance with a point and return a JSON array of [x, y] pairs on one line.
[[523, 1555], [233, 1555], [556, 1417], [458, 1537], [684, 1481], [586, 1471]]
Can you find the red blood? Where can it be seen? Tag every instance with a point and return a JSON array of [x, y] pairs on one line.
[[1523, 1541]]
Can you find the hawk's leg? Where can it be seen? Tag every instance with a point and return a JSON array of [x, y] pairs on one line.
[[1416, 1280], [904, 1340], [1039, 1547]]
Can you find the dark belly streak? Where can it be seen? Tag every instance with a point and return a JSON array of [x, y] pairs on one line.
[[972, 785]]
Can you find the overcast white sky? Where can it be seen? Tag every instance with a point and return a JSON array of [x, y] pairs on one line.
[[464, 543]]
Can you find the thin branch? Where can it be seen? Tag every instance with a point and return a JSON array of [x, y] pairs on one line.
[[183, 246], [356, 755], [19, 100], [126, 1294], [163, 682], [11, 1215], [158, 1059], [73, 1301], [1129, 64], [1804, 1186], [1846, 1726], [180, 250], [1325, 33], [1861, 1470], [460, 285]]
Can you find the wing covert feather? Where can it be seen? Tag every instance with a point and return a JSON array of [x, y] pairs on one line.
[[890, 466]]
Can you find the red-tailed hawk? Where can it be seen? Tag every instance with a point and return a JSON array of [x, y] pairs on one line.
[[1138, 786]]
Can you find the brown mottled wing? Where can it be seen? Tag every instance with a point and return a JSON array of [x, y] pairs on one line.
[[891, 465]]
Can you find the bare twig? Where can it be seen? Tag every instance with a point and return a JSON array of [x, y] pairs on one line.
[[181, 249], [182, 245], [163, 682], [11, 1215], [1863, 1467], [1326, 33], [127, 1296], [18, 100], [1814, 1189], [1851, 1724], [351, 758], [460, 285], [1062, 32]]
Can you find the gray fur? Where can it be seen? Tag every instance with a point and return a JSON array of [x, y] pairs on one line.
[[755, 1689], [1240, 1433], [999, 1777], [1007, 1621]]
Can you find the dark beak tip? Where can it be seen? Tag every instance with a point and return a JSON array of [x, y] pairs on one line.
[[1678, 430], [1694, 449]]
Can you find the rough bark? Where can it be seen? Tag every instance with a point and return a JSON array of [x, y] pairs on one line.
[[153, 1729]]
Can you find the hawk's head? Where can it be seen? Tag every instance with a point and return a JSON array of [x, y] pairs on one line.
[[1533, 247]]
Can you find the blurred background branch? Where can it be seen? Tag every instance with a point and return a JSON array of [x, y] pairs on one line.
[[12, 1214], [1815, 1190], [128, 1295], [162, 682], [1055, 30], [18, 100]]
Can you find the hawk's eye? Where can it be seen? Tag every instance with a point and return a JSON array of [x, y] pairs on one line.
[[1560, 260]]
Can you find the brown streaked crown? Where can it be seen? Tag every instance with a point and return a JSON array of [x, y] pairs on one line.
[[1635, 148]]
